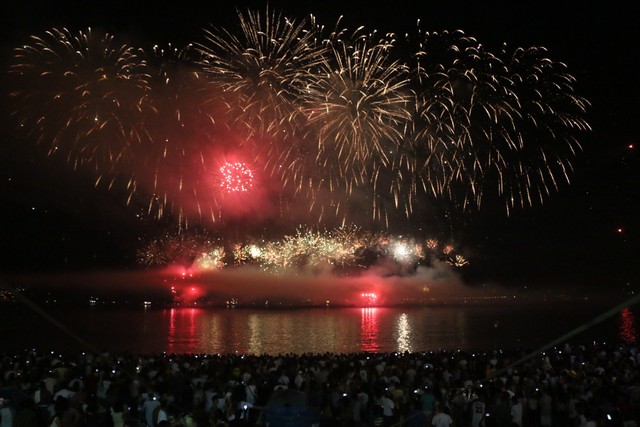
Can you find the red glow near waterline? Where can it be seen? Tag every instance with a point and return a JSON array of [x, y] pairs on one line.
[[236, 177], [369, 298]]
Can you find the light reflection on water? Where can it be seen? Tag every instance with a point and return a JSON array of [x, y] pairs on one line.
[[345, 330], [369, 329], [403, 334]]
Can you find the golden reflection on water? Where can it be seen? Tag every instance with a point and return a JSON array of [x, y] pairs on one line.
[[255, 334], [403, 334], [300, 332], [211, 335]]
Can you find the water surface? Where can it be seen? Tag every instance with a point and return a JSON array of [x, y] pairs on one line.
[[342, 330]]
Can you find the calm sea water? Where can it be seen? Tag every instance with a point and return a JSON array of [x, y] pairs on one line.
[[342, 330]]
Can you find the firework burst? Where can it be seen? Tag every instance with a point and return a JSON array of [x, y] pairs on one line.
[[262, 72], [550, 118], [186, 249], [481, 121], [357, 115], [236, 177], [83, 95]]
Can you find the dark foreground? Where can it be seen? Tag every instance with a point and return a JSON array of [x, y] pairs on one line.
[[592, 385]]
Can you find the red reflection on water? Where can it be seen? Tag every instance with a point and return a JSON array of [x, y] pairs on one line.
[[182, 330], [172, 330], [369, 330], [192, 323], [627, 327]]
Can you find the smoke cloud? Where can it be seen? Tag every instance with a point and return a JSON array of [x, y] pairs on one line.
[[250, 286]]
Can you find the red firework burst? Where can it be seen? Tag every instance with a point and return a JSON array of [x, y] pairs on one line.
[[236, 177]]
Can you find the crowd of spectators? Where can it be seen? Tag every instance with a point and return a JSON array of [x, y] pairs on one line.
[[581, 385]]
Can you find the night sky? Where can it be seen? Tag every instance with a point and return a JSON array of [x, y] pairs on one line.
[[584, 236]]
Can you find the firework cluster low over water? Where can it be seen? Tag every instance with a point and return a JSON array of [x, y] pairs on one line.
[[286, 119], [344, 251], [309, 268]]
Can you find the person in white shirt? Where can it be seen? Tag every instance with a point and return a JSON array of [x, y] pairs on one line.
[[442, 417], [516, 411], [148, 407], [387, 408], [6, 414]]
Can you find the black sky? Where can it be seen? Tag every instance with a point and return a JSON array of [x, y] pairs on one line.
[[572, 239]]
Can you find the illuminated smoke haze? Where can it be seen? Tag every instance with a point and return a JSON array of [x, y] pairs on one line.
[[252, 287]]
